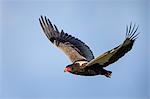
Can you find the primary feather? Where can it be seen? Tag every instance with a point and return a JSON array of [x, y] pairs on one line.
[[113, 55], [74, 48]]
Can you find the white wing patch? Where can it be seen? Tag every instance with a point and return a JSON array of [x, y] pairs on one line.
[[81, 62]]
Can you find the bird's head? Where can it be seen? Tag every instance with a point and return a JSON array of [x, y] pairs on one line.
[[72, 68]]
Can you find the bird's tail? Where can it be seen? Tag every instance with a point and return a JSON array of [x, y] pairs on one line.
[[106, 73]]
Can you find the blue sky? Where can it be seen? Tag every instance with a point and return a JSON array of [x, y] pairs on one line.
[[32, 68]]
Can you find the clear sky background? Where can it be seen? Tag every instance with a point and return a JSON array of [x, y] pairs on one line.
[[32, 68]]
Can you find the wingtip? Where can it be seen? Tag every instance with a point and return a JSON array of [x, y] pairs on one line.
[[135, 36], [41, 16], [45, 18], [131, 32], [62, 31]]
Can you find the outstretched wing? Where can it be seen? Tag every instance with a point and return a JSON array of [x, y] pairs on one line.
[[74, 48], [113, 55]]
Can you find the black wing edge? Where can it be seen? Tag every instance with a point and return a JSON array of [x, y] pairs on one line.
[[48, 28], [131, 32], [53, 33], [131, 36]]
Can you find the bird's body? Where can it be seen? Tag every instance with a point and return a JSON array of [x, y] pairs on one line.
[[83, 61], [78, 68]]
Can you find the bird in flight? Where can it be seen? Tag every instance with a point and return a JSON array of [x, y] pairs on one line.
[[82, 58]]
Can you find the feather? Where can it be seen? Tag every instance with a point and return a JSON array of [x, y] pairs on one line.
[[74, 48], [113, 55]]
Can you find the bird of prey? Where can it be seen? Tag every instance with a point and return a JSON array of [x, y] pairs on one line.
[[82, 58]]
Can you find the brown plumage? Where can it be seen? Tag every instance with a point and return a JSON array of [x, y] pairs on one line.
[[83, 61]]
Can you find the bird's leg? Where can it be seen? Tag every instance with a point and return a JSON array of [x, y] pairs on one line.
[[106, 73]]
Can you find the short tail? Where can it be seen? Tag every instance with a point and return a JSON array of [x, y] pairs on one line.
[[106, 73]]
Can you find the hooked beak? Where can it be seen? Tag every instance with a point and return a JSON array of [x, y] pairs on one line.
[[65, 70]]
